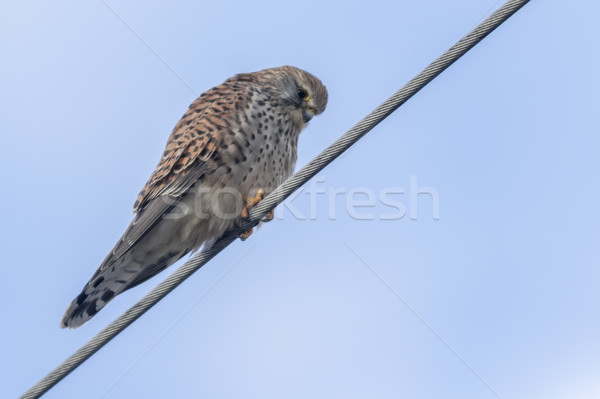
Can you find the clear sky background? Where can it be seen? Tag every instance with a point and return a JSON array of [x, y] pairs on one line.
[[501, 290]]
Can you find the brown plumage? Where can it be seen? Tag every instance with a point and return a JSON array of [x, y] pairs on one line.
[[236, 138]]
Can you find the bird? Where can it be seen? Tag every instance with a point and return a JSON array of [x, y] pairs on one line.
[[235, 144]]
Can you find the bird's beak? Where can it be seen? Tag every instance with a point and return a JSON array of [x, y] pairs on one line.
[[308, 113]]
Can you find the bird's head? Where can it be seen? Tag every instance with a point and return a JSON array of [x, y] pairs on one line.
[[298, 89]]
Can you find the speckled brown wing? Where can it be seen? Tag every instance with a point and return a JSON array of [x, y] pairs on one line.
[[194, 141]]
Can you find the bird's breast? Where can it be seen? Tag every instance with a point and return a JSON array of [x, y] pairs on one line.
[[259, 152]]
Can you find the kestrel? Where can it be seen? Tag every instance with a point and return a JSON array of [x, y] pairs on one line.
[[236, 143]]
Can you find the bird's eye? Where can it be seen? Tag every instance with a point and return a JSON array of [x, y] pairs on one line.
[[302, 94]]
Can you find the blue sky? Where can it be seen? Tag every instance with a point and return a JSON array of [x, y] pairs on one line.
[[501, 289]]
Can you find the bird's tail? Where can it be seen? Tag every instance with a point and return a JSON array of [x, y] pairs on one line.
[[109, 281], [100, 290]]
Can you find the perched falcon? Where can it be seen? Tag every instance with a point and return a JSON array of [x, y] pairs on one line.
[[235, 143]]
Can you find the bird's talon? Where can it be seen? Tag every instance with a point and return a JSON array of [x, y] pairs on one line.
[[244, 236], [269, 216], [251, 202]]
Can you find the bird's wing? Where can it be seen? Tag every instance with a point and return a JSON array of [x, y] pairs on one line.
[[188, 143], [193, 142]]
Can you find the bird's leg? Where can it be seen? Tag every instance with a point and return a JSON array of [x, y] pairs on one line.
[[250, 203], [269, 216], [244, 236]]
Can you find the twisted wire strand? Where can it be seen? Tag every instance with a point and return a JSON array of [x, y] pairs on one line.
[[277, 196]]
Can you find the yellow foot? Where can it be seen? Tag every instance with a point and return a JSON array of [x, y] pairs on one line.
[[250, 203], [269, 216], [244, 236]]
